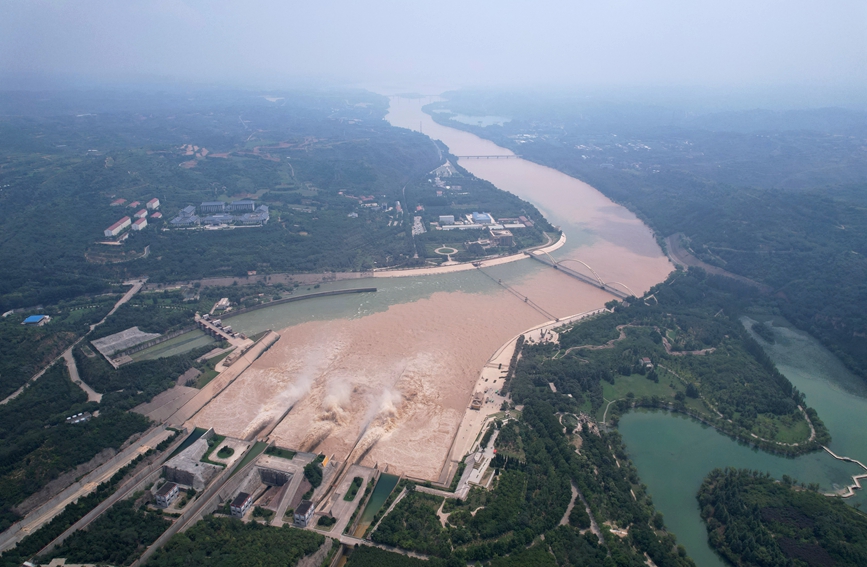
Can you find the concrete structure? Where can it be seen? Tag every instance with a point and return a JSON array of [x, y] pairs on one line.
[[37, 320], [118, 202], [186, 468], [141, 214], [167, 494], [218, 219], [468, 226], [243, 206], [212, 207], [241, 504], [123, 340], [274, 477], [304, 513], [153, 204], [186, 217], [502, 237], [447, 219], [140, 224], [260, 216], [482, 218], [117, 227]]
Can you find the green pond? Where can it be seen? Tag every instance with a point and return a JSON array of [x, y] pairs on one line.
[[383, 488], [673, 453]]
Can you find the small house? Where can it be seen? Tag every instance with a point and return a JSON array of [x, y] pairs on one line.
[[167, 494], [241, 504], [304, 513]]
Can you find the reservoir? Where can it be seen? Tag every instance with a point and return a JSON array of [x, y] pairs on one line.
[[396, 368], [673, 453], [385, 378]]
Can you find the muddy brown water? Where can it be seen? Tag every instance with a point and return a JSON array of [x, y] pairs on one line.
[[385, 378]]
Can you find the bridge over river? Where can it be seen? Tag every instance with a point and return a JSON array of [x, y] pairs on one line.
[[546, 259]]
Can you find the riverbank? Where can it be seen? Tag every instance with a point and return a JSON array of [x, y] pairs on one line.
[[464, 266]]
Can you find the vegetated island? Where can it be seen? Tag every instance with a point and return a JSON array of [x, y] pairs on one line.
[[754, 520], [680, 347]]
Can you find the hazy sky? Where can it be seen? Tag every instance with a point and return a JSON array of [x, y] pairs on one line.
[[450, 43]]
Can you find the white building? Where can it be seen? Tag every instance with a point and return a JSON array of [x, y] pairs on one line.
[[117, 227], [167, 494], [140, 224], [304, 513], [153, 204], [141, 214], [241, 504]]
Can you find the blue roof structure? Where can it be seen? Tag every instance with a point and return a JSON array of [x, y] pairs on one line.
[[34, 319]]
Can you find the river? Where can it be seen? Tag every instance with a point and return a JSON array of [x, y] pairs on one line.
[[392, 372], [386, 378]]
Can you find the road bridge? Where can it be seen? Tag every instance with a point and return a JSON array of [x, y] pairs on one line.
[[595, 280], [493, 156]]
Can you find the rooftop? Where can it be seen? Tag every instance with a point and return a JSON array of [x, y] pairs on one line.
[[34, 318], [304, 507], [239, 500], [166, 489]]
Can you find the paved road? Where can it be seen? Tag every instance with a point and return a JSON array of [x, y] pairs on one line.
[[92, 395], [45, 513], [680, 255], [136, 286]]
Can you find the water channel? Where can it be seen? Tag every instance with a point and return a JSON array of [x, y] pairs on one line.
[[672, 453]]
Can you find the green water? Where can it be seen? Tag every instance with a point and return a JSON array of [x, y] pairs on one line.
[[383, 488], [180, 344], [192, 438], [673, 454]]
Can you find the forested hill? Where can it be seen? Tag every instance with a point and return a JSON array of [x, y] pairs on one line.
[[778, 197], [313, 158], [756, 521]]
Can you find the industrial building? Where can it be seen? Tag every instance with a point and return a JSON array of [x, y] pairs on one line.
[[502, 237], [304, 513], [117, 227], [167, 494], [187, 217], [482, 218], [37, 320], [188, 469], [447, 219], [260, 216], [140, 224], [212, 207], [153, 204], [218, 219], [243, 206], [241, 504]]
